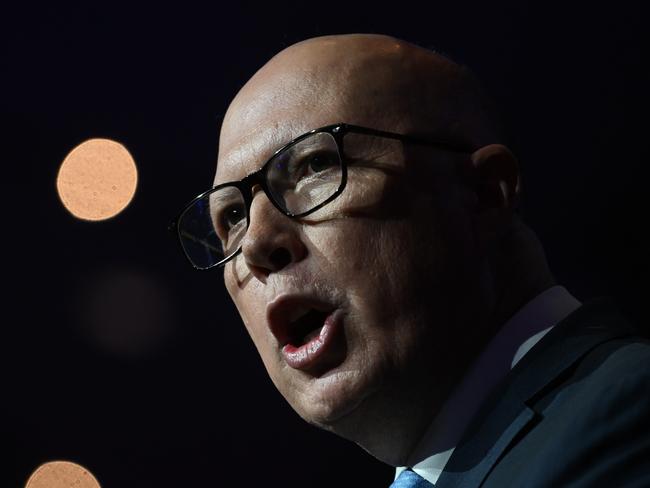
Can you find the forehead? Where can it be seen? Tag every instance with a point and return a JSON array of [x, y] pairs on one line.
[[246, 151], [382, 85], [278, 105], [257, 126]]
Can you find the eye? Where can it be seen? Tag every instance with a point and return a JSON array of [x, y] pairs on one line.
[[229, 217], [320, 161], [232, 215]]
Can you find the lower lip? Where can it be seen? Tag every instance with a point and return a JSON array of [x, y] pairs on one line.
[[309, 354]]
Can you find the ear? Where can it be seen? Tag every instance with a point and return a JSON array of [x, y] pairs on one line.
[[497, 177], [497, 192]]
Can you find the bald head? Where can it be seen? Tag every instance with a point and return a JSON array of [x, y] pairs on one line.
[[365, 79]]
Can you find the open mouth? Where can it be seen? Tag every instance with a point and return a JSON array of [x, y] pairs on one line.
[[297, 320], [308, 331], [305, 328]]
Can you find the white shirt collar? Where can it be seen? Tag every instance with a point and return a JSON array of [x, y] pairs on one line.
[[512, 341]]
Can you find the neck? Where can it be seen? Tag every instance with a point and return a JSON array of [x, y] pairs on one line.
[[520, 272]]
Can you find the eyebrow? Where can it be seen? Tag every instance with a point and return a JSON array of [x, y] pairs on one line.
[[272, 134], [220, 197], [269, 134]]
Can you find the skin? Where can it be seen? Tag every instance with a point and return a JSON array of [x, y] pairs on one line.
[[422, 251]]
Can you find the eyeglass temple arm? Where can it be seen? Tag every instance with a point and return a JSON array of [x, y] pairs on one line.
[[451, 146]]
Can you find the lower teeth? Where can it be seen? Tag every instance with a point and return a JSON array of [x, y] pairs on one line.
[[311, 335]]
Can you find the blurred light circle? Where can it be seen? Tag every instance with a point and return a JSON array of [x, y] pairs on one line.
[[97, 179], [126, 312], [61, 474]]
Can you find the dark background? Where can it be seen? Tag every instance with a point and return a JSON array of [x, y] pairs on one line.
[[117, 355]]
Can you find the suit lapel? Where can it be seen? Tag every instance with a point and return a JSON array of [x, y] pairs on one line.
[[509, 412], [473, 458], [593, 323]]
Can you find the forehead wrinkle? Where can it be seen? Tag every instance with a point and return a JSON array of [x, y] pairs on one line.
[[259, 123], [251, 151], [271, 90]]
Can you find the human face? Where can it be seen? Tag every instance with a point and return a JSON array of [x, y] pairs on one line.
[[356, 303]]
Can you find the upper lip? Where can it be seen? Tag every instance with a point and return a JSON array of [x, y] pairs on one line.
[[285, 309]]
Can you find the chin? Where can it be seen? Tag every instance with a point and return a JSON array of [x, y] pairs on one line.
[[332, 399]]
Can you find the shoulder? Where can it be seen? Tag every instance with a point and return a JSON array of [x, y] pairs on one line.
[[591, 424], [616, 372], [618, 367], [594, 426]]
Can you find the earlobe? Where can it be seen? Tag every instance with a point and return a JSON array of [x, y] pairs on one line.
[[498, 182]]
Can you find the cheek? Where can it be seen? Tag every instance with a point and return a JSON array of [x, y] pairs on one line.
[[370, 260], [344, 250], [390, 269], [251, 310]]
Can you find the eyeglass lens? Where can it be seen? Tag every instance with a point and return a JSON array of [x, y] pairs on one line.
[[299, 179]]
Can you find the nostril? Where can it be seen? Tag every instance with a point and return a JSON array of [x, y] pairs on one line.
[[280, 258]]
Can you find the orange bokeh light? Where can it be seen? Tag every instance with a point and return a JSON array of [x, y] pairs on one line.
[[61, 474], [97, 179]]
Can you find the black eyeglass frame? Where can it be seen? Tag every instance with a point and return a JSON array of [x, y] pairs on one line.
[[258, 177]]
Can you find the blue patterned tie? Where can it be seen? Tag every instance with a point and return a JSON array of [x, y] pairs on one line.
[[410, 479]]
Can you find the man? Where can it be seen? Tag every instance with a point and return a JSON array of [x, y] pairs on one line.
[[365, 215]]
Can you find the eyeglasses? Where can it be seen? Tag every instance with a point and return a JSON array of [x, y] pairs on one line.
[[301, 177]]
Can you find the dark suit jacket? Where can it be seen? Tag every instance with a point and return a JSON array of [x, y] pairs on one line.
[[575, 411]]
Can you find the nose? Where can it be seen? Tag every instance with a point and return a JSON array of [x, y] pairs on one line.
[[272, 241]]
